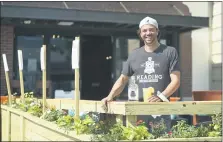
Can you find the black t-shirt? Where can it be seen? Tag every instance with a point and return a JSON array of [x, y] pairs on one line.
[[152, 69]]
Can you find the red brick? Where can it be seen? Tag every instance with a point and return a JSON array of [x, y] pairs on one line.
[[6, 46]]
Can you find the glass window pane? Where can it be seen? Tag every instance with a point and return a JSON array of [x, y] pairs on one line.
[[61, 73], [60, 53], [30, 46]]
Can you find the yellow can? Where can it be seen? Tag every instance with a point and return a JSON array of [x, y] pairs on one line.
[[147, 93]]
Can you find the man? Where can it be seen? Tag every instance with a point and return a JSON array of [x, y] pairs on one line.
[[153, 65]]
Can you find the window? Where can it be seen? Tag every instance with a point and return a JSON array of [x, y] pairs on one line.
[[60, 55], [60, 69], [30, 46]]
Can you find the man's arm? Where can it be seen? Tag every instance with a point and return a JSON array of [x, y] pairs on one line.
[[170, 89], [174, 84], [118, 86]]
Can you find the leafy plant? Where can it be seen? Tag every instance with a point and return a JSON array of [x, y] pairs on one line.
[[158, 128], [65, 122], [135, 133], [183, 130], [23, 107], [35, 109], [111, 133], [52, 115], [216, 125], [202, 131], [84, 126], [120, 132]]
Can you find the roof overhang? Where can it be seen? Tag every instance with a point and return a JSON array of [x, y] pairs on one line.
[[117, 18]]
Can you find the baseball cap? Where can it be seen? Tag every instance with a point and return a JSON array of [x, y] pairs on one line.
[[148, 20]]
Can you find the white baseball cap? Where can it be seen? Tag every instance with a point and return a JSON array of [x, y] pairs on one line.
[[148, 20]]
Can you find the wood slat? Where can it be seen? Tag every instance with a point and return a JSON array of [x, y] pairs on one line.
[[162, 108], [4, 125], [45, 132], [8, 126], [15, 126], [112, 108], [53, 102], [22, 129]]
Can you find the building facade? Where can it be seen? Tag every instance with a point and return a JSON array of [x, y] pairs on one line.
[[108, 34], [205, 69]]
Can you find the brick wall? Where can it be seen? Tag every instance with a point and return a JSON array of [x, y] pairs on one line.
[[6, 46], [186, 64]]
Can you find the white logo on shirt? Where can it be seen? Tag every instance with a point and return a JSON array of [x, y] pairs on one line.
[[149, 69], [149, 66]]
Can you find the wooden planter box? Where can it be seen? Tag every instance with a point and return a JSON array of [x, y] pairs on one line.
[[18, 125], [25, 127]]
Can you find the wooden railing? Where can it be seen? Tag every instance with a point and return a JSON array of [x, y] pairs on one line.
[[132, 109]]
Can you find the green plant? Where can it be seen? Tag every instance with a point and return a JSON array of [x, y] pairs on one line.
[[135, 133], [65, 122], [183, 130], [30, 104], [111, 132], [120, 132], [216, 125], [35, 108], [23, 107], [52, 115], [202, 131], [158, 128], [86, 125]]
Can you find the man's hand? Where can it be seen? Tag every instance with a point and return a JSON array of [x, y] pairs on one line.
[[116, 90], [105, 101], [154, 98]]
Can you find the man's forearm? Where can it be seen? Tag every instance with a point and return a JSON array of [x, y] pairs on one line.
[[118, 87], [171, 88]]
